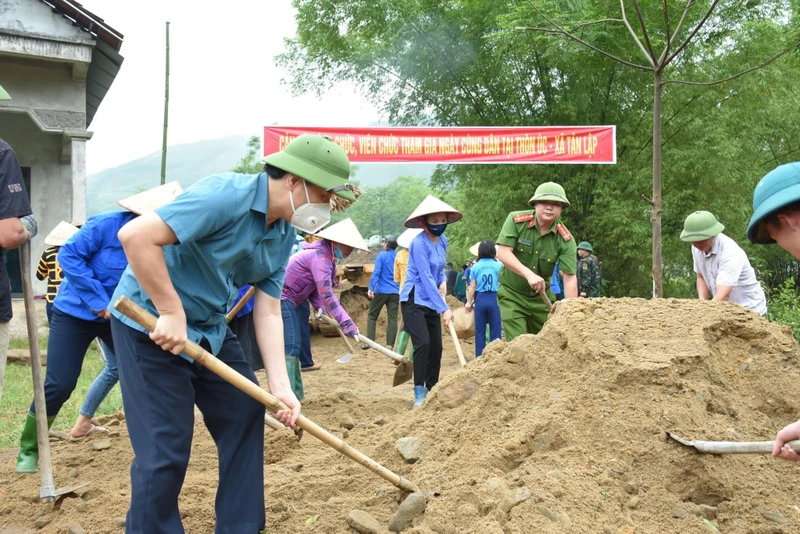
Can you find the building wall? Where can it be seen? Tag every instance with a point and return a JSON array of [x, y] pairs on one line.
[[51, 181], [36, 18], [43, 85]]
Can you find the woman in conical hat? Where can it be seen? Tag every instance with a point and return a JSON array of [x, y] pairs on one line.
[[311, 276], [93, 262], [422, 295]]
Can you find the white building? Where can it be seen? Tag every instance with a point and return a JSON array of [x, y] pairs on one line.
[[57, 62]]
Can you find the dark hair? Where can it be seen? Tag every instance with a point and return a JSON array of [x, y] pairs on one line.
[[274, 172], [449, 264], [772, 218], [464, 266], [486, 250]]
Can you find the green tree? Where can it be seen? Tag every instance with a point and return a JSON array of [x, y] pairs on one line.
[[383, 210], [251, 162], [465, 64]]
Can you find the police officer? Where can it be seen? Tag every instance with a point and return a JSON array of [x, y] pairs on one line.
[[588, 271], [530, 244]]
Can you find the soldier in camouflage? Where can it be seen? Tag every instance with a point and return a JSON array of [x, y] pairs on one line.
[[588, 271]]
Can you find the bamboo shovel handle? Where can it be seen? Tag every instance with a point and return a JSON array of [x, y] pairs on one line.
[[134, 312], [460, 354], [363, 339], [740, 447], [239, 305], [344, 338], [546, 301]]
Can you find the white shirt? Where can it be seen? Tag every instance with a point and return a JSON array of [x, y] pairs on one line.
[[727, 265]]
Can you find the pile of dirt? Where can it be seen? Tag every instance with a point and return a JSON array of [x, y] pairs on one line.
[[560, 432], [360, 257], [569, 435]]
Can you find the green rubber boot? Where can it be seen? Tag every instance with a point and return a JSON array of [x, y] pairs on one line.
[[28, 458], [402, 342], [295, 376]]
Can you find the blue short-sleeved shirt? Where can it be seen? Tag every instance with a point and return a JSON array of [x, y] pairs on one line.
[[93, 262], [486, 273], [223, 244]]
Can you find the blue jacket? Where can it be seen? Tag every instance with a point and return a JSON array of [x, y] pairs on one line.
[[426, 272], [382, 280], [93, 262]]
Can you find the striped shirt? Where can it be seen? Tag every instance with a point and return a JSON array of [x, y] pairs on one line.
[[50, 269]]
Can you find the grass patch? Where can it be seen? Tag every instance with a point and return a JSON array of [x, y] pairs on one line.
[[18, 395]]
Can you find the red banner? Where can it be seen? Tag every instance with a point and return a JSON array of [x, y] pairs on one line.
[[546, 144]]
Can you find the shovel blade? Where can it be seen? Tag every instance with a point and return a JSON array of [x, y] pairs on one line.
[[346, 358], [403, 373]]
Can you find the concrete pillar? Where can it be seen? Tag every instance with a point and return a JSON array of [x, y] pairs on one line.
[[78, 179]]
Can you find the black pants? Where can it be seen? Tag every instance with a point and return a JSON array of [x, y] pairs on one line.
[[159, 391], [424, 326], [245, 332], [70, 338]]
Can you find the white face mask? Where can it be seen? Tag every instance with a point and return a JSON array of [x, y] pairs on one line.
[[310, 217]]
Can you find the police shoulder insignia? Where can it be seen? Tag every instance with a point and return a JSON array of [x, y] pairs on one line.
[[563, 231], [523, 217]]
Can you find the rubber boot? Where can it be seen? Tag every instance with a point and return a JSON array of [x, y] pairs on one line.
[[420, 392], [402, 342], [295, 376], [28, 458]]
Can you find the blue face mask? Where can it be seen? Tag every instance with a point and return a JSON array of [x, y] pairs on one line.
[[437, 229], [338, 253]]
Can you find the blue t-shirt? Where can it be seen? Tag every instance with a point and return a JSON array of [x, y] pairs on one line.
[[223, 244], [93, 262], [486, 273]]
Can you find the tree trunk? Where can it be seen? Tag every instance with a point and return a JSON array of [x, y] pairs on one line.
[[655, 213]]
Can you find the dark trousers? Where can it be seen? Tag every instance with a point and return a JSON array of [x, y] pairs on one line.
[[391, 301], [70, 338], [425, 328], [487, 311], [159, 391], [245, 331], [303, 314], [48, 307]]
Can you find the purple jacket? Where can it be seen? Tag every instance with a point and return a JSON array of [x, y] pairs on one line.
[[311, 275]]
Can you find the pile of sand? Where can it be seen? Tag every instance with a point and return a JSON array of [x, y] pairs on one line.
[[560, 432], [576, 429]]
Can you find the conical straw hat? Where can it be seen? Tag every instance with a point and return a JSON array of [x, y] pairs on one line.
[[60, 234], [408, 236], [151, 199], [431, 204], [344, 233]]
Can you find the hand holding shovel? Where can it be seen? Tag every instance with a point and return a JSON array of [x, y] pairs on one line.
[[146, 320]]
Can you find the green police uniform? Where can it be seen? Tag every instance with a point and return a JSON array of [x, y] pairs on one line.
[[522, 309]]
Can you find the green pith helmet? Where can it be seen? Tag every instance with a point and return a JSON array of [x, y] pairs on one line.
[[585, 245], [779, 188], [316, 159], [3, 94], [549, 191], [701, 225]]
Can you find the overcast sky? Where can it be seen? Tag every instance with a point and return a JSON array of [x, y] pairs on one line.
[[223, 78]]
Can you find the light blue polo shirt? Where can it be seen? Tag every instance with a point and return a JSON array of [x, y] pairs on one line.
[[224, 244]]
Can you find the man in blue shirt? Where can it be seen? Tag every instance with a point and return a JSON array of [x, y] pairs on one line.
[[186, 261], [93, 262], [384, 291]]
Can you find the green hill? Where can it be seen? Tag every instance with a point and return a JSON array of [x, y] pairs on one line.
[[189, 162]]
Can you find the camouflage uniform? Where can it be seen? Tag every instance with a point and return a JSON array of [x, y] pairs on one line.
[[589, 276]]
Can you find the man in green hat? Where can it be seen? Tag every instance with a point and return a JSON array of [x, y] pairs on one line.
[[776, 219], [588, 271], [529, 245], [721, 265], [187, 260]]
